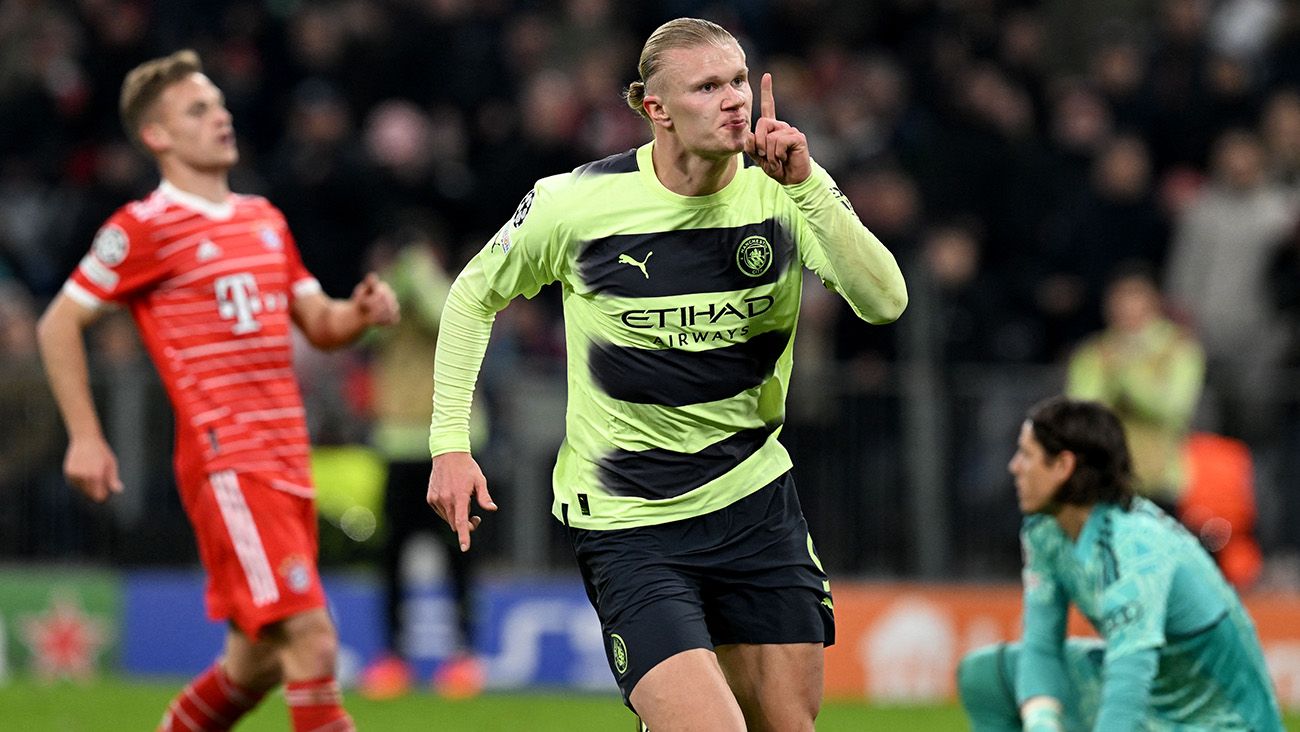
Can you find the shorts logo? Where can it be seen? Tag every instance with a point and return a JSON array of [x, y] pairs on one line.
[[754, 256], [111, 245], [619, 649], [296, 574]]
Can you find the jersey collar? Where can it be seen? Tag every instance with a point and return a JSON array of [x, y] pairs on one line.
[[1089, 535], [217, 211], [646, 169]]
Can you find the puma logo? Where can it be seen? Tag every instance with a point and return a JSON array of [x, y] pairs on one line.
[[627, 259]]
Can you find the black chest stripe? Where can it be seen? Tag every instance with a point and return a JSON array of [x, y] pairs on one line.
[[685, 261], [673, 377], [656, 474]]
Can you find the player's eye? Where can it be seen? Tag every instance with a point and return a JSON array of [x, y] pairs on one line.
[[708, 86]]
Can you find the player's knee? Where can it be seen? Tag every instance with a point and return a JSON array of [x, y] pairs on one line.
[[313, 641], [976, 672]]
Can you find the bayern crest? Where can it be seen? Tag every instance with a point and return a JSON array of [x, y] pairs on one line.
[[754, 256]]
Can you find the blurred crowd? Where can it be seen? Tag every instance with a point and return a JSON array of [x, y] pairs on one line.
[[1011, 153]]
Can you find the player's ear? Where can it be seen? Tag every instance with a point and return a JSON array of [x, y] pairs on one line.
[[1064, 463], [655, 110], [154, 136]]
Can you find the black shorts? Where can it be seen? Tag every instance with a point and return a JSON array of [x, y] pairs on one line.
[[745, 573]]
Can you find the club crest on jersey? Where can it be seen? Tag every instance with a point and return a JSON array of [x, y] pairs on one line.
[[111, 245], [270, 239], [754, 256], [296, 574]]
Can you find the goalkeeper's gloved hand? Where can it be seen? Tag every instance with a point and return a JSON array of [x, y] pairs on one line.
[[1042, 715]]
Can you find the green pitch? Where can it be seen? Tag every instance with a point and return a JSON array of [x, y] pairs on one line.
[[110, 706]]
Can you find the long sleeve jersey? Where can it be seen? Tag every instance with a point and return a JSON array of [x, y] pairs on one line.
[[680, 315]]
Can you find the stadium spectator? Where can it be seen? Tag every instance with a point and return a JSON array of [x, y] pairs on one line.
[[213, 280], [676, 493], [414, 265], [30, 442], [1177, 648], [1149, 371], [1114, 218], [1218, 273], [1280, 129]]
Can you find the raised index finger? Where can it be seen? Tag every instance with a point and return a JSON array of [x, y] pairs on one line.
[[767, 103]]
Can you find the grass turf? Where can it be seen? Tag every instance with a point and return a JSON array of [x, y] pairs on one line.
[[109, 706], [113, 705]]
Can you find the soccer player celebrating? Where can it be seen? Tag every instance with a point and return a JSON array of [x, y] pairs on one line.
[[681, 268], [213, 280], [1177, 649]]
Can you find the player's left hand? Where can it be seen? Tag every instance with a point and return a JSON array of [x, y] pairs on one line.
[[375, 301], [779, 149]]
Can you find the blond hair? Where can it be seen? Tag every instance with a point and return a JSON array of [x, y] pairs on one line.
[[679, 33], [146, 82]]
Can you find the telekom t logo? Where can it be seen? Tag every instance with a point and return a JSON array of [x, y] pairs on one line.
[[237, 300]]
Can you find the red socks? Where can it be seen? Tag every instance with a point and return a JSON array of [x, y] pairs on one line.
[[213, 703], [317, 706], [210, 703]]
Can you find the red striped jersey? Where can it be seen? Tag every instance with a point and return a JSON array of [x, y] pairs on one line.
[[210, 287]]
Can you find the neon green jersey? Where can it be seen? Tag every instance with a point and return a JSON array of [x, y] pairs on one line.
[[679, 315]]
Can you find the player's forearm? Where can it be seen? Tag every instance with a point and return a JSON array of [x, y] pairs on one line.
[[1042, 655], [63, 354], [1126, 691], [462, 343], [335, 325], [857, 264]]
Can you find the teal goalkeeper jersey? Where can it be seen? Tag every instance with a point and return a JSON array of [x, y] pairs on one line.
[[1145, 583], [679, 316]]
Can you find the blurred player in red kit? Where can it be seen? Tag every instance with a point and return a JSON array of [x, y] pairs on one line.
[[214, 280]]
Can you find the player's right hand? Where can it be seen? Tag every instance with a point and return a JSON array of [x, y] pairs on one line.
[[454, 479], [91, 467], [778, 148]]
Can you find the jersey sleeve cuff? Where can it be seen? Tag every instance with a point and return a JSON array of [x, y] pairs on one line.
[[82, 296], [306, 286], [817, 180], [443, 444]]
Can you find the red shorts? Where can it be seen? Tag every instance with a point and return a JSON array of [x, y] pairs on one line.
[[258, 545]]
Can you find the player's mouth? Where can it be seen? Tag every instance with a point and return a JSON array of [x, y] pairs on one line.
[[736, 123]]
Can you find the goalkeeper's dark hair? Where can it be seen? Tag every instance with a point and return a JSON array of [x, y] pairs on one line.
[[1103, 469]]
